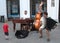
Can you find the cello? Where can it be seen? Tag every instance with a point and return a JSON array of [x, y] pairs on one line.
[[37, 20]]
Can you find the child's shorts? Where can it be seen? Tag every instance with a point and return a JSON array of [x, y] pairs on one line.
[[6, 33]]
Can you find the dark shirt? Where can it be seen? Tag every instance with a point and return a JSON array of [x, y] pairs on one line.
[[50, 23]]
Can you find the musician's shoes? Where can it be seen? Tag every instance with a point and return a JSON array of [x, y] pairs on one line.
[[41, 37]]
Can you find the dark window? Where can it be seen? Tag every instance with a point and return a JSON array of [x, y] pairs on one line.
[[13, 9], [34, 6]]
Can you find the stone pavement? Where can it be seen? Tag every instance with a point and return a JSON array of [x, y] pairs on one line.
[[33, 36]]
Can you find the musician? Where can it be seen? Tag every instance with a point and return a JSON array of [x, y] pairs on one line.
[[43, 24], [26, 25], [41, 6]]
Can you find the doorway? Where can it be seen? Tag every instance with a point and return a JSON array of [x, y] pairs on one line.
[[13, 11], [59, 11], [34, 6]]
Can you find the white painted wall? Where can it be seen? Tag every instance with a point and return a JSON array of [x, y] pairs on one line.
[[24, 5], [3, 8], [53, 11]]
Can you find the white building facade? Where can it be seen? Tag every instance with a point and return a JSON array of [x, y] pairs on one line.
[[52, 9]]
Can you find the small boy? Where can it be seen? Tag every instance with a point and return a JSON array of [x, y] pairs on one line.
[[5, 29]]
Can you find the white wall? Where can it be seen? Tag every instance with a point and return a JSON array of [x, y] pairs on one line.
[[3, 8], [24, 5], [53, 11]]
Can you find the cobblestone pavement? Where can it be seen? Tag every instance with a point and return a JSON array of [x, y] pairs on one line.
[[33, 36]]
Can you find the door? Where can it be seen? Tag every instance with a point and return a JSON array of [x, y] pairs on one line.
[[34, 6], [59, 11], [13, 9]]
